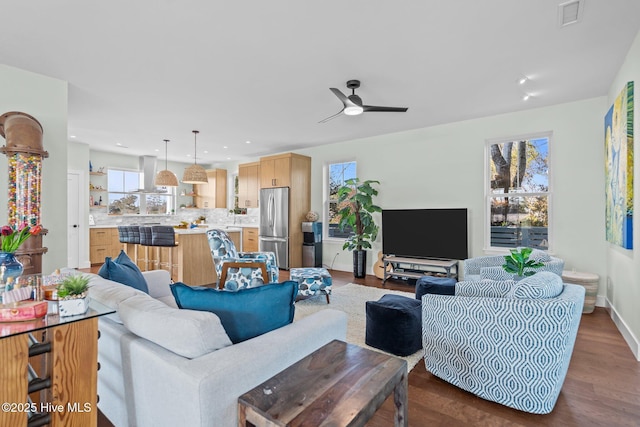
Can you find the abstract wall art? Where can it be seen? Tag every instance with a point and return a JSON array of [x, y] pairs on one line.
[[618, 131]]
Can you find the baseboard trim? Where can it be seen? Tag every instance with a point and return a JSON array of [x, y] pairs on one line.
[[629, 337]]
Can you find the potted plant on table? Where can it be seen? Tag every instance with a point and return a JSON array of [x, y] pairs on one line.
[[72, 295], [355, 206], [519, 264]]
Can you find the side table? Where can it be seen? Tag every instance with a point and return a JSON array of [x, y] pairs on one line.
[[340, 384], [590, 282]]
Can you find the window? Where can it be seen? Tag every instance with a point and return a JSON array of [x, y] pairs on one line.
[[518, 192], [338, 173], [124, 196]]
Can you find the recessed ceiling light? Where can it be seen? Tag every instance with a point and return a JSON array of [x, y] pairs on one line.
[[523, 80], [72, 136], [206, 152], [188, 155], [526, 97], [156, 150], [228, 158], [120, 145], [225, 146], [248, 142]]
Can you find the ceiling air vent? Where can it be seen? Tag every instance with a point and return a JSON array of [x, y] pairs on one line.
[[570, 12]]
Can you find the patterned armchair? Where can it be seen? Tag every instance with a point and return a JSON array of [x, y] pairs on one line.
[[490, 267], [505, 341], [224, 250]]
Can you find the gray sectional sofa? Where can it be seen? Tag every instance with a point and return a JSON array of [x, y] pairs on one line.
[[162, 366]]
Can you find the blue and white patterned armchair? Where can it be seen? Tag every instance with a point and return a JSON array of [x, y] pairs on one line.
[[505, 341], [490, 267], [224, 250]]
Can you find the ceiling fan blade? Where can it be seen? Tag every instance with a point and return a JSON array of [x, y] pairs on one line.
[[384, 109], [342, 97], [331, 117]]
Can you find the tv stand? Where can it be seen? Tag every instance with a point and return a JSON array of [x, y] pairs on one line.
[[415, 268]]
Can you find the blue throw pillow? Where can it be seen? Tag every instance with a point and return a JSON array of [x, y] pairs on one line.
[[246, 313], [123, 270]]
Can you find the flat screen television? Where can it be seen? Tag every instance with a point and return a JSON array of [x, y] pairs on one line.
[[425, 233]]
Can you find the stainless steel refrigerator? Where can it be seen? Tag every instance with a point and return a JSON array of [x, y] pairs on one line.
[[274, 223]]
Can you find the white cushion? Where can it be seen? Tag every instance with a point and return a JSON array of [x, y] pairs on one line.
[[540, 285], [188, 333]]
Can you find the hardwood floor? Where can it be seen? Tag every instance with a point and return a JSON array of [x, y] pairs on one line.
[[602, 387]]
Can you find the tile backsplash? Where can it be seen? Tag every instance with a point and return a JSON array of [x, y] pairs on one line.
[[214, 216]]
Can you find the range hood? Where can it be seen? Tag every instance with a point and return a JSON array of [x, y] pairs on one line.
[[147, 165]]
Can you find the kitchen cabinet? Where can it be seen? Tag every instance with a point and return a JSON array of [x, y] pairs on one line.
[[249, 239], [235, 238], [275, 171], [248, 185], [293, 171], [103, 242], [214, 193]]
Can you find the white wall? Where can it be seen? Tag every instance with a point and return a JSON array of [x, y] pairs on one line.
[[623, 267], [443, 166], [45, 99]]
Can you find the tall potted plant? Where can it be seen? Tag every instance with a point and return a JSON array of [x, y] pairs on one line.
[[355, 206]]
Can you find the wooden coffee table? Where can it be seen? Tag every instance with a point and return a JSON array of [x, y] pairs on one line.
[[340, 384]]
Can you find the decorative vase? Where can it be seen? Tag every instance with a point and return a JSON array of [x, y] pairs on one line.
[[9, 266], [359, 263]]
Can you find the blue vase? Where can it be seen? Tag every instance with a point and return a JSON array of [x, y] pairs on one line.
[[9, 267]]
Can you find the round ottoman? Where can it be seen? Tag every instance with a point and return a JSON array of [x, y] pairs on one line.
[[435, 285], [394, 324]]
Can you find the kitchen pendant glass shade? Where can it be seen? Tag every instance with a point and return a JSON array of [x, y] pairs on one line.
[[195, 174], [166, 178]]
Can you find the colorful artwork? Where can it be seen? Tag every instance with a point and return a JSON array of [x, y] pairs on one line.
[[618, 134]]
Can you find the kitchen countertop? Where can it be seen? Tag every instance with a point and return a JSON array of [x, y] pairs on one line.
[[196, 230]]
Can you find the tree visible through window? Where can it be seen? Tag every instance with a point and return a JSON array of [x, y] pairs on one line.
[[124, 195], [518, 195], [338, 174]]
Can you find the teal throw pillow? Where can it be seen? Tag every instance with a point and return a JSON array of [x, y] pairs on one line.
[[123, 270], [246, 313]]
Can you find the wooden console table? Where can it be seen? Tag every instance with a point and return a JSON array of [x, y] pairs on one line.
[[417, 267], [338, 385], [48, 370]]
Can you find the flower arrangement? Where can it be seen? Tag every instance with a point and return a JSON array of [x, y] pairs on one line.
[[12, 238]]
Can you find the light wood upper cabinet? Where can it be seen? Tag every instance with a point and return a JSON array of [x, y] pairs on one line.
[[214, 193], [275, 171], [248, 185]]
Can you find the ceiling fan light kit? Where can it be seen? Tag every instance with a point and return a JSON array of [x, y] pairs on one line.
[[166, 178], [195, 174], [353, 106]]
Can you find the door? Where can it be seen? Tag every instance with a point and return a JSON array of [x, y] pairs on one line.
[[73, 220]]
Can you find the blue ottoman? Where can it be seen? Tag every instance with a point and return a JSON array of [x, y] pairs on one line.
[[394, 324], [312, 281], [435, 285]]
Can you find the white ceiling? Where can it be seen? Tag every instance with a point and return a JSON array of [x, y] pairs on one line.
[[146, 70]]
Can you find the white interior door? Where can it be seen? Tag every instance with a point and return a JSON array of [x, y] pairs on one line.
[[73, 220]]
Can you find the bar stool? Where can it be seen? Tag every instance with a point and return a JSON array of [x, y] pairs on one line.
[[164, 236], [145, 243], [129, 236]]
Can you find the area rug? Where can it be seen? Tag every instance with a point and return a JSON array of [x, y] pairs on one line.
[[351, 299]]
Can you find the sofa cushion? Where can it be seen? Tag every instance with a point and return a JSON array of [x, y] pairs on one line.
[[246, 313], [540, 285], [188, 333], [123, 270]]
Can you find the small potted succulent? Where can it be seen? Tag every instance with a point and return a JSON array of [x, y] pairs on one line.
[[519, 261], [72, 295]]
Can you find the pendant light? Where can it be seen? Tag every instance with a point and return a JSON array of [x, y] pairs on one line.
[[166, 178], [195, 174]]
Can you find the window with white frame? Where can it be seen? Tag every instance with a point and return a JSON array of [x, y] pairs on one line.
[[518, 192], [337, 174], [124, 196]]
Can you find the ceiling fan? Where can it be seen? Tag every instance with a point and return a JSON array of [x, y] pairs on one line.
[[353, 103]]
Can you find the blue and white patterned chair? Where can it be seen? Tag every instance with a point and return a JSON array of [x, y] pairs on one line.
[[224, 250], [504, 341], [490, 267]]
